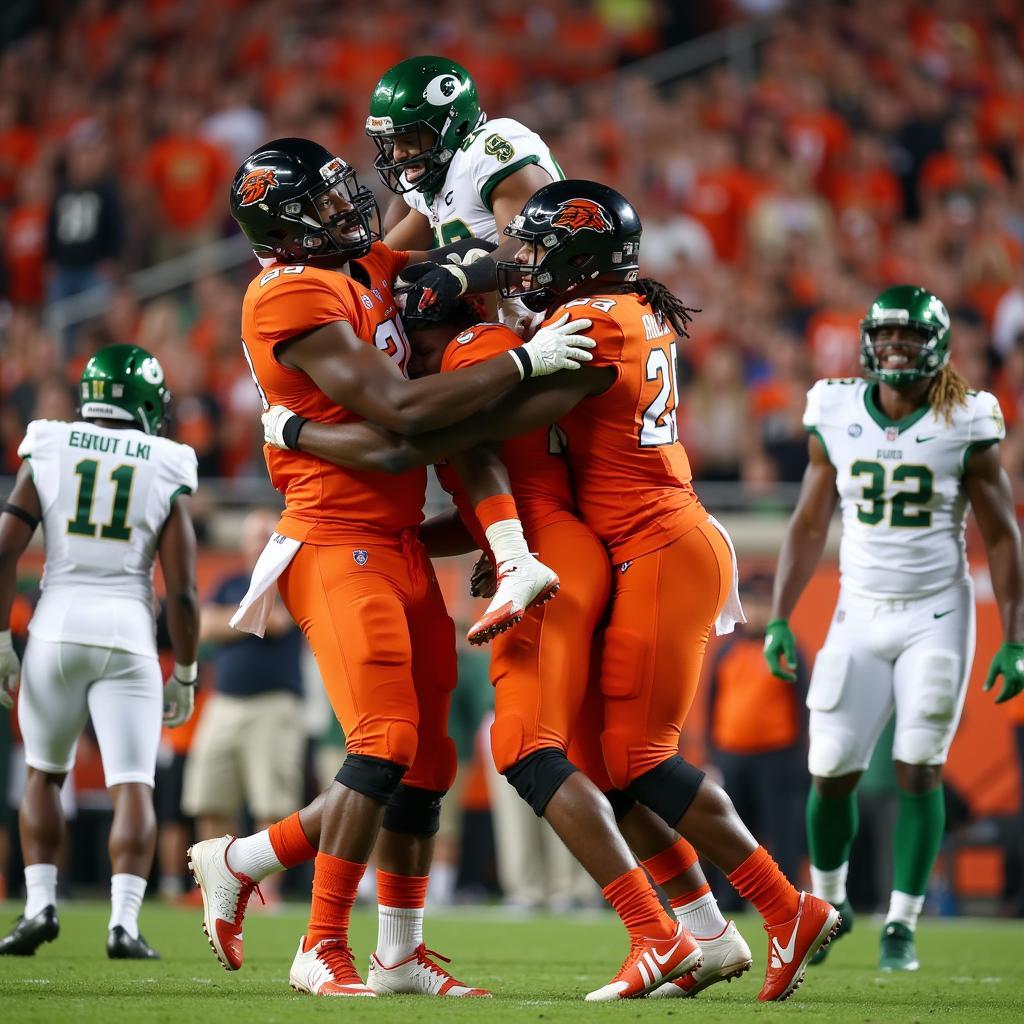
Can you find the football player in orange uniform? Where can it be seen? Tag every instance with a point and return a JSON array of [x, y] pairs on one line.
[[321, 332], [674, 570]]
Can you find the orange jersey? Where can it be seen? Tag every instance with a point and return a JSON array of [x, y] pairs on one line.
[[324, 503], [630, 473], [536, 470]]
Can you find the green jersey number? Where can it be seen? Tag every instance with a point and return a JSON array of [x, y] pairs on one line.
[[117, 528], [451, 231], [906, 510]]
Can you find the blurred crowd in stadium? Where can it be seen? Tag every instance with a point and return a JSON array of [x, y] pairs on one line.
[[859, 144], [874, 142]]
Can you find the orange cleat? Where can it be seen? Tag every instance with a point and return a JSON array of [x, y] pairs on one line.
[[651, 962], [791, 946]]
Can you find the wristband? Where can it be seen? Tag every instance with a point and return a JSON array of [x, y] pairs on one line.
[[186, 674], [522, 360], [291, 430]]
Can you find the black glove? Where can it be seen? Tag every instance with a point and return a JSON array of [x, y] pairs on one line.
[[431, 291]]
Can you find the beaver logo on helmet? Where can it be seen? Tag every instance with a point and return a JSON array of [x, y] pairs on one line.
[[256, 184], [581, 215]]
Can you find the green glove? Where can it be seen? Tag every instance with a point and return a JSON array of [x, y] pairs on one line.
[[779, 644], [1009, 663]]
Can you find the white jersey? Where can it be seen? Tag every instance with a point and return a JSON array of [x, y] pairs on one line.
[[105, 495], [900, 486], [461, 208]]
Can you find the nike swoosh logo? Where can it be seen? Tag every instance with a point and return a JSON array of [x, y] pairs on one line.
[[785, 953], [921, 440], [942, 615], [662, 960]]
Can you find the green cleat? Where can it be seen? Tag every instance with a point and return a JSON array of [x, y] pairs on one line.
[[897, 948], [845, 925]]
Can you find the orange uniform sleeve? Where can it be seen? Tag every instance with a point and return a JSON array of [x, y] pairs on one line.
[[477, 344], [605, 329], [383, 261], [302, 304]]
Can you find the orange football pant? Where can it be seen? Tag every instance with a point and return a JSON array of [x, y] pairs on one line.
[[385, 646], [540, 668], [663, 607]]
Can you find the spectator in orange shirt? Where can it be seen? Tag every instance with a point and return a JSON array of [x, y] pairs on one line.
[[18, 146], [24, 245], [963, 166], [757, 733], [189, 177]]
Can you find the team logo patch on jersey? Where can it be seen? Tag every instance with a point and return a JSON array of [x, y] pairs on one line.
[[256, 184], [360, 557], [464, 337], [891, 433], [855, 430], [581, 215]]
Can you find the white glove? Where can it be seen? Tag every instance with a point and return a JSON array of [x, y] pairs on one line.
[[10, 670], [278, 423], [558, 346], [180, 695]]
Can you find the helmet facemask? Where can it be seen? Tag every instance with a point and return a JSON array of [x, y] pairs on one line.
[[429, 152], [901, 362]]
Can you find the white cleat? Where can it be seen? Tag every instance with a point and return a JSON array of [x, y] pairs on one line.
[[417, 974], [328, 969], [522, 583], [225, 896], [725, 957]]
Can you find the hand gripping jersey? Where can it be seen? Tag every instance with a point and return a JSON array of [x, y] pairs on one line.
[[462, 207], [630, 473], [900, 485], [536, 469], [105, 495], [325, 504]]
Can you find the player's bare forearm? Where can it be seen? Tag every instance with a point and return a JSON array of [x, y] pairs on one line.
[[177, 551], [446, 534], [807, 531], [15, 533], [991, 497]]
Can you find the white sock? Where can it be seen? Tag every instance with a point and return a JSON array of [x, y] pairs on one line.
[[126, 892], [506, 540], [830, 885], [170, 886], [40, 888], [254, 856], [399, 932], [702, 917], [904, 908]]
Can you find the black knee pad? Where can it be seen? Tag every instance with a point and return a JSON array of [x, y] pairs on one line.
[[669, 789], [621, 801], [537, 777], [413, 811], [372, 776]]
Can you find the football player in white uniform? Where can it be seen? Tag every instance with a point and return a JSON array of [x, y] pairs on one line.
[[903, 452], [461, 177], [111, 495]]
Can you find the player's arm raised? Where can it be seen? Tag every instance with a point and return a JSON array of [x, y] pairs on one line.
[[988, 489], [363, 379], [19, 517], [801, 550], [177, 550]]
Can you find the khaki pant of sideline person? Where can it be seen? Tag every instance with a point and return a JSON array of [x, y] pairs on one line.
[[247, 751]]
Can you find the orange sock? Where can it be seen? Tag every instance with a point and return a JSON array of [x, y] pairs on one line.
[[495, 509], [760, 880], [291, 847], [633, 899], [676, 902], [406, 891], [671, 863], [335, 882]]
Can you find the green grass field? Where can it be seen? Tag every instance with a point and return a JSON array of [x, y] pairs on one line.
[[539, 968]]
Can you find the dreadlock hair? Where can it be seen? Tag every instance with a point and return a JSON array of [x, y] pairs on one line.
[[665, 305], [948, 390]]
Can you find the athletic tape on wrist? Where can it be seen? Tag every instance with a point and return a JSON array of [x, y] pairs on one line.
[[186, 674]]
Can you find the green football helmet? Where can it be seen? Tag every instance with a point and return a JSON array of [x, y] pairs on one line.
[[912, 306], [124, 382], [420, 93]]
